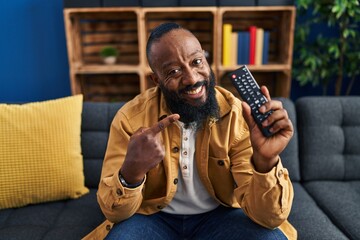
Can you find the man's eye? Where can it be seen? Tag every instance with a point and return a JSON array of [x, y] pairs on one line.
[[197, 61], [173, 72]]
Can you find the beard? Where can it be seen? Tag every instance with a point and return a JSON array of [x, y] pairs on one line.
[[189, 113]]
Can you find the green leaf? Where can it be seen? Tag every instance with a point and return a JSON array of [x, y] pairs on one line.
[[334, 50], [318, 61]]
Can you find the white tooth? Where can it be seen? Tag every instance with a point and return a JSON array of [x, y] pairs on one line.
[[195, 91]]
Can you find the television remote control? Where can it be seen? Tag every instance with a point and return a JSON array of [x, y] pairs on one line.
[[250, 92]]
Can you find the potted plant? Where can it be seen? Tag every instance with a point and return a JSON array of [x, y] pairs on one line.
[[109, 54], [327, 44]]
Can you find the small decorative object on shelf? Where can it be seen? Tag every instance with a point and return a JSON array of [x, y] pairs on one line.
[[109, 54]]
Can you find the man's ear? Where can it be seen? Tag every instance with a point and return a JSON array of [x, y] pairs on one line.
[[154, 78]]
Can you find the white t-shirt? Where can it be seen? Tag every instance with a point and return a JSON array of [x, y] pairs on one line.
[[191, 196]]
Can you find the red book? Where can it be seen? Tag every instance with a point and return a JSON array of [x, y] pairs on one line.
[[252, 47]]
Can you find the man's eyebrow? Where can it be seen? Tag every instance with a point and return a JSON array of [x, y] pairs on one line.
[[167, 64], [196, 52]]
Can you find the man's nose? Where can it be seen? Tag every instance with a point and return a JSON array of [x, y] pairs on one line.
[[190, 77]]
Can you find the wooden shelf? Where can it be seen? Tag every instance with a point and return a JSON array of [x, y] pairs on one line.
[[260, 68], [116, 68], [280, 22], [127, 29]]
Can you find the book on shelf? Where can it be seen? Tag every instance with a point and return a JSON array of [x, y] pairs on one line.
[[243, 47], [226, 54], [259, 45], [234, 49], [252, 44], [265, 57]]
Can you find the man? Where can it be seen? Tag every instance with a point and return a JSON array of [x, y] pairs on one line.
[[185, 160]]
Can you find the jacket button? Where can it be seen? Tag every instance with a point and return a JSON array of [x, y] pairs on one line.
[[280, 173], [221, 162], [108, 227], [160, 207], [118, 192], [175, 150], [176, 181]]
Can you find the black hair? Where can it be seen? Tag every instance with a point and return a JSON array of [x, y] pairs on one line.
[[157, 33]]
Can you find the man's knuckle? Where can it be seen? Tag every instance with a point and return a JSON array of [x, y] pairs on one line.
[[285, 113], [161, 126]]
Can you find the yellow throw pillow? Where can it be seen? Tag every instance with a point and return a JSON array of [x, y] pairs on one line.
[[40, 152]]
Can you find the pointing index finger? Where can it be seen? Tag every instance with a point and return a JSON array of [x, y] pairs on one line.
[[164, 123]]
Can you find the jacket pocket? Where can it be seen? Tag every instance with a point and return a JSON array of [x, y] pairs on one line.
[[221, 178]]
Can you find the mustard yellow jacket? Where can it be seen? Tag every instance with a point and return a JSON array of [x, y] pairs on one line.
[[222, 155]]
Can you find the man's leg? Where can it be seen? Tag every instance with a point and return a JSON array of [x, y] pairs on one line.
[[150, 227], [230, 223]]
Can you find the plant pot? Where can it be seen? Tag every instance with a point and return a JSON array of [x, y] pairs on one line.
[[109, 60]]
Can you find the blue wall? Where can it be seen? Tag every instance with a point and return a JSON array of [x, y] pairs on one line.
[[33, 62]]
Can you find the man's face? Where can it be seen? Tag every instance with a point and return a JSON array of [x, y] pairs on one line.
[[180, 66], [184, 76]]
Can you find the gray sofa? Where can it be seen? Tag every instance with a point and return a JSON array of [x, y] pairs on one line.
[[323, 159]]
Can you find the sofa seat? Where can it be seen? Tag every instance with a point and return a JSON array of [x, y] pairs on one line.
[[323, 159], [329, 137], [340, 201], [68, 219], [309, 220], [306, 216]]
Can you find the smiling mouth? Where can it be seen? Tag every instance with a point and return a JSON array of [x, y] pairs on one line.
[[194, 91]]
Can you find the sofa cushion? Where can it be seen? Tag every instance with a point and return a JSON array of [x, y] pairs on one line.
[[67, 219], [309, 220], [96, 121], [40, 152], [290, 156], [340, 201], [329, 136]]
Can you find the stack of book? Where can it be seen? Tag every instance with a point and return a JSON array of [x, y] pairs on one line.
[[245, 47]]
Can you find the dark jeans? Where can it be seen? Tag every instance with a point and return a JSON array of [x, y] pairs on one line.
[[222, 223]]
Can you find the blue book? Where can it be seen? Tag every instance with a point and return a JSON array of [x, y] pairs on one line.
[[243, 47], [265, 56]]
